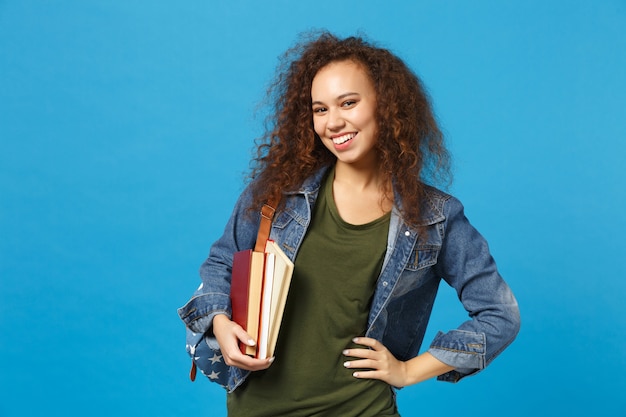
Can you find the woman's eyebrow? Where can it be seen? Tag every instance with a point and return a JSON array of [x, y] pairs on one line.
[[342, 96]]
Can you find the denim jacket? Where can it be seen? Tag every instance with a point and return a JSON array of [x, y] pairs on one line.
[[450, 249]]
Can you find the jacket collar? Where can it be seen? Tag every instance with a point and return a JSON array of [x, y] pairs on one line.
[[432, 206], [313, 183]]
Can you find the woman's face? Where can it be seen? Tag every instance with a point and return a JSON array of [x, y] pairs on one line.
[[344, 104]]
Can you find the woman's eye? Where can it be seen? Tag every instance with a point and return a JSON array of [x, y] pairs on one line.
[[319, 110], [348, 103]]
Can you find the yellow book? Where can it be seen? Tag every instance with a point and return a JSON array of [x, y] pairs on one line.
[[254, 298], [283, 270]]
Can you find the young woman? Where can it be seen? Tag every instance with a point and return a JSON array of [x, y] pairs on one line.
[[353, 145]]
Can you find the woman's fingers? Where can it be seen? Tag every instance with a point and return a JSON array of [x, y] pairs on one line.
[[372, 358], [376, 362], [375, 348], [243, 336], [360, 353], [228, 334], [249, 363], [361, 363], [369, 342]]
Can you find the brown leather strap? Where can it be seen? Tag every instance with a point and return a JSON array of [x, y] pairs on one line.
[[267, 215], [192, 371]]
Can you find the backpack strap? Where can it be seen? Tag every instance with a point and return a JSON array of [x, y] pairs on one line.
[[267, 215]]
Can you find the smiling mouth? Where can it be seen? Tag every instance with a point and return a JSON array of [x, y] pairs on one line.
[[339, 140]]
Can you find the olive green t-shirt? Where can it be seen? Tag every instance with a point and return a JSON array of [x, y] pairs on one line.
[[328, 304]]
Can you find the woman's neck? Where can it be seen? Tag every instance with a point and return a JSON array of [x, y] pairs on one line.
[[359, 178], [361, 195]]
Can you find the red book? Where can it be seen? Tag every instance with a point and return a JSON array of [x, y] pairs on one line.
[[245, 293]]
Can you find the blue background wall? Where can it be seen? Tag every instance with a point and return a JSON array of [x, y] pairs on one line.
[[126, 129]]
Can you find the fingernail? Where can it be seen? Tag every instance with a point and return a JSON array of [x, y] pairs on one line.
[[270, 360], [356, 374], [250, 342], [345, 352], [355, 340], [346, 364]]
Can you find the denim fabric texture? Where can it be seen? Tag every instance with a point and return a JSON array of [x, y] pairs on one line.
[[451, 249]]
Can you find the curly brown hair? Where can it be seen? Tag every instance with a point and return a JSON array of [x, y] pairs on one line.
[[410, 145]]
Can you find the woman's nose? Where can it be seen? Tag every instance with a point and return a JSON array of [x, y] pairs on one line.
[[335, 120]]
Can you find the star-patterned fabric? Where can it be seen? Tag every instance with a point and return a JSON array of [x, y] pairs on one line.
[[208, 361]]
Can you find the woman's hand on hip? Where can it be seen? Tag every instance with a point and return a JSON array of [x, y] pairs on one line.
[[376, 362]]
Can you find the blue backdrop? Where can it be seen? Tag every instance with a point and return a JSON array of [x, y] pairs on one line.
[[126, 128]]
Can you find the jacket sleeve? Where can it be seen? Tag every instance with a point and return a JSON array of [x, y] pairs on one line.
[[213, 295], [466, 264]]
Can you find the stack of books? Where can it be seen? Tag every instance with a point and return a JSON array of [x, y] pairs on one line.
[[259, 287]]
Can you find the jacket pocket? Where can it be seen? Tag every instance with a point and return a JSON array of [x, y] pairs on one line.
[[422, 257]]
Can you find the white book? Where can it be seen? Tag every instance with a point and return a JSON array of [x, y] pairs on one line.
[[266, 306]]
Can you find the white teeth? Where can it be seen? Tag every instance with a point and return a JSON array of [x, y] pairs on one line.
[[343, 139]]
